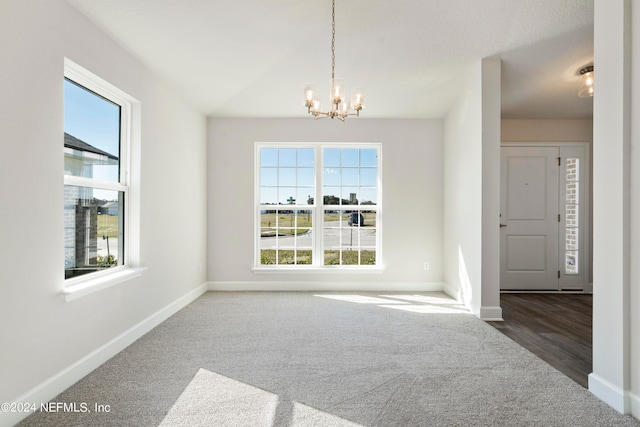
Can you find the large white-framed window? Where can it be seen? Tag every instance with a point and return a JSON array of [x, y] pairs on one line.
[[97, 187], [318, 206]]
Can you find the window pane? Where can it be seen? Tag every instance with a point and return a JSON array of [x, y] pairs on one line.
[[93, 229], [286, 157], [287, 195], [303, 223], [368, 196], [331, 157], [368, 177], [304, 256], [573, 167], [332, 257], [572, 192], [267, 256], [572, 216], [331, 176], [350, 176], [331, 196], [370, 220], [349, 195], [571, 239], [268, 177], [286, 177], [368, 157], [267, 223], [285, 236], [291, 185], [269, 157], [350, 256], [268, 196], [349, 237], [91, 134], [571, 262], [304, 196], [306, 157], [332, 218], [306, 177], [368, 257], [350, 157]]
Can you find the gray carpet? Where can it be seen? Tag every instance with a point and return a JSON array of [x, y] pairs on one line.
[[328, 359]]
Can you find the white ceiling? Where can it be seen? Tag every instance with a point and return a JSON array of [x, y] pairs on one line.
[[251, 58]]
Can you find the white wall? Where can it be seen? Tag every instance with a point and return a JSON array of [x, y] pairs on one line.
[[615, 335], [40, 334], [513, 130], [463, 194], [491, 110], [472, 192], [412, 181]]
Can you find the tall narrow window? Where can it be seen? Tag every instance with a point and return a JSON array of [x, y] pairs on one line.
[[95, 177], [318, 205], [572, 216]]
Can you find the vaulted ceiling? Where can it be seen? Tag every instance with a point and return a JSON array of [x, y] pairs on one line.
[[251, 58]]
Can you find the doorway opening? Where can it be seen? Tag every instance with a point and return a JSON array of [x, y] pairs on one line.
[[545, 217]]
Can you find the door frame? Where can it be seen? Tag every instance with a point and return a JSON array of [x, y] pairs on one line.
[[586, 191]]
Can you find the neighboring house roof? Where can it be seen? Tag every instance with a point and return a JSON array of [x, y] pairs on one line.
[[78, 144], [112, 204]]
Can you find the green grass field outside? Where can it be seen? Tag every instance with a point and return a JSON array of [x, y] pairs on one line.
[[288, 257], [107, 225]]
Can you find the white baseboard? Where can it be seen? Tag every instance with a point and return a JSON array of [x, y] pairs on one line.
[[491, 313], [64, 379], [612, 395], [635, 405], [327, 286], [452, 292]]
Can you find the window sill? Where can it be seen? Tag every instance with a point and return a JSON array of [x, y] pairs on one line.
[[326, 269], [77, 288]]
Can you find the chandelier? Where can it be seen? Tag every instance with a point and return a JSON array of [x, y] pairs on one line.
[[587, 81], [340, 106]]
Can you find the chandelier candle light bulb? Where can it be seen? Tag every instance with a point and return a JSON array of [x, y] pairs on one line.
[[337, 93], [358, 99], [309, 95]]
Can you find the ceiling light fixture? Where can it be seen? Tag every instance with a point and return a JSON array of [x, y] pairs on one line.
[[587, 81], [340, 107]]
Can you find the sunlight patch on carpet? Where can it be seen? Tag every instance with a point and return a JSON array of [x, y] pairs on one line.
[[360, 299], [423, 304], [213, 399], [429, 309]]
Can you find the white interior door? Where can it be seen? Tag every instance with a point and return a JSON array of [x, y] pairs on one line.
[[529, 219]]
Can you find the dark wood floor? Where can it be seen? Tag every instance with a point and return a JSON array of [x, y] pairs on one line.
[[555, 327]]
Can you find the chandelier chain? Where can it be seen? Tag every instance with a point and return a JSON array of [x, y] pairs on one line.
[[333, 41]]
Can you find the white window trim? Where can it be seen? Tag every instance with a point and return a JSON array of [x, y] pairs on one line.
[[318, 210], [129, 178], [94, 282]]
